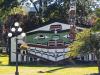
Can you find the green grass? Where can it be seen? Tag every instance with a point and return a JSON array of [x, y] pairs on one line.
[[5, 69]]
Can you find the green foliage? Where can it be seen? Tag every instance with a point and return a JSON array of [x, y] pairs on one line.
[[95, 41], [5, 4], [17, 10], [83, 7], [74, 48], [86, 42], [1, 1], [83, 35], [5, 8], [77, 46], [97, 12], [97, 25], [55, 11]]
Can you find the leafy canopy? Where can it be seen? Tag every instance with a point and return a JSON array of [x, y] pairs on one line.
[[79, 42]]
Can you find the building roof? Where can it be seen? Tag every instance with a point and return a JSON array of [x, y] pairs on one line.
[[47, 27]]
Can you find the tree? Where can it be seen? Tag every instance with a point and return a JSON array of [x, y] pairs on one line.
[[88, 41], [79, 42], [60, 9], [92, 45], [97, 12], [5, 7]]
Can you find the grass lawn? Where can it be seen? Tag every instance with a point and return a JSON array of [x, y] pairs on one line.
[[5, 69]]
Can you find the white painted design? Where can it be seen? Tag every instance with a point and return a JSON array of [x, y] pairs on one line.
[[49, 54], [46, 37], [38, 37], [66, 36]]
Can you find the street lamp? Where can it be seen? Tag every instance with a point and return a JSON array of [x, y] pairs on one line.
[[16, 30]]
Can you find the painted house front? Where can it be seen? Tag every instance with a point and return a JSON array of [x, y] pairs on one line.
[[49, 43]]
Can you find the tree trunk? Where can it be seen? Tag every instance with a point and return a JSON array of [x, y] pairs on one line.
[[99, 70], [98, 63]]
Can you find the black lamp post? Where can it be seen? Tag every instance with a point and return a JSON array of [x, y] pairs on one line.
[[16, 30]]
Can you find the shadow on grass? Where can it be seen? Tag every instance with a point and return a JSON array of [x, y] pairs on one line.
[[68, 66], [50, 71], [3, 55], [93, 74], [53, 65], [56, 67]]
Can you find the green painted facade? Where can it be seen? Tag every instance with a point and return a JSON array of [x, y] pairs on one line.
[[31, 38]]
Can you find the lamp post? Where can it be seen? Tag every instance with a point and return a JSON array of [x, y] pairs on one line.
[[16, 30]]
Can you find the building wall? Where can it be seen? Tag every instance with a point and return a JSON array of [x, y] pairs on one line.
[[88, 57], [23, 58], [34, 38], [50, 53], [13, 49]]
